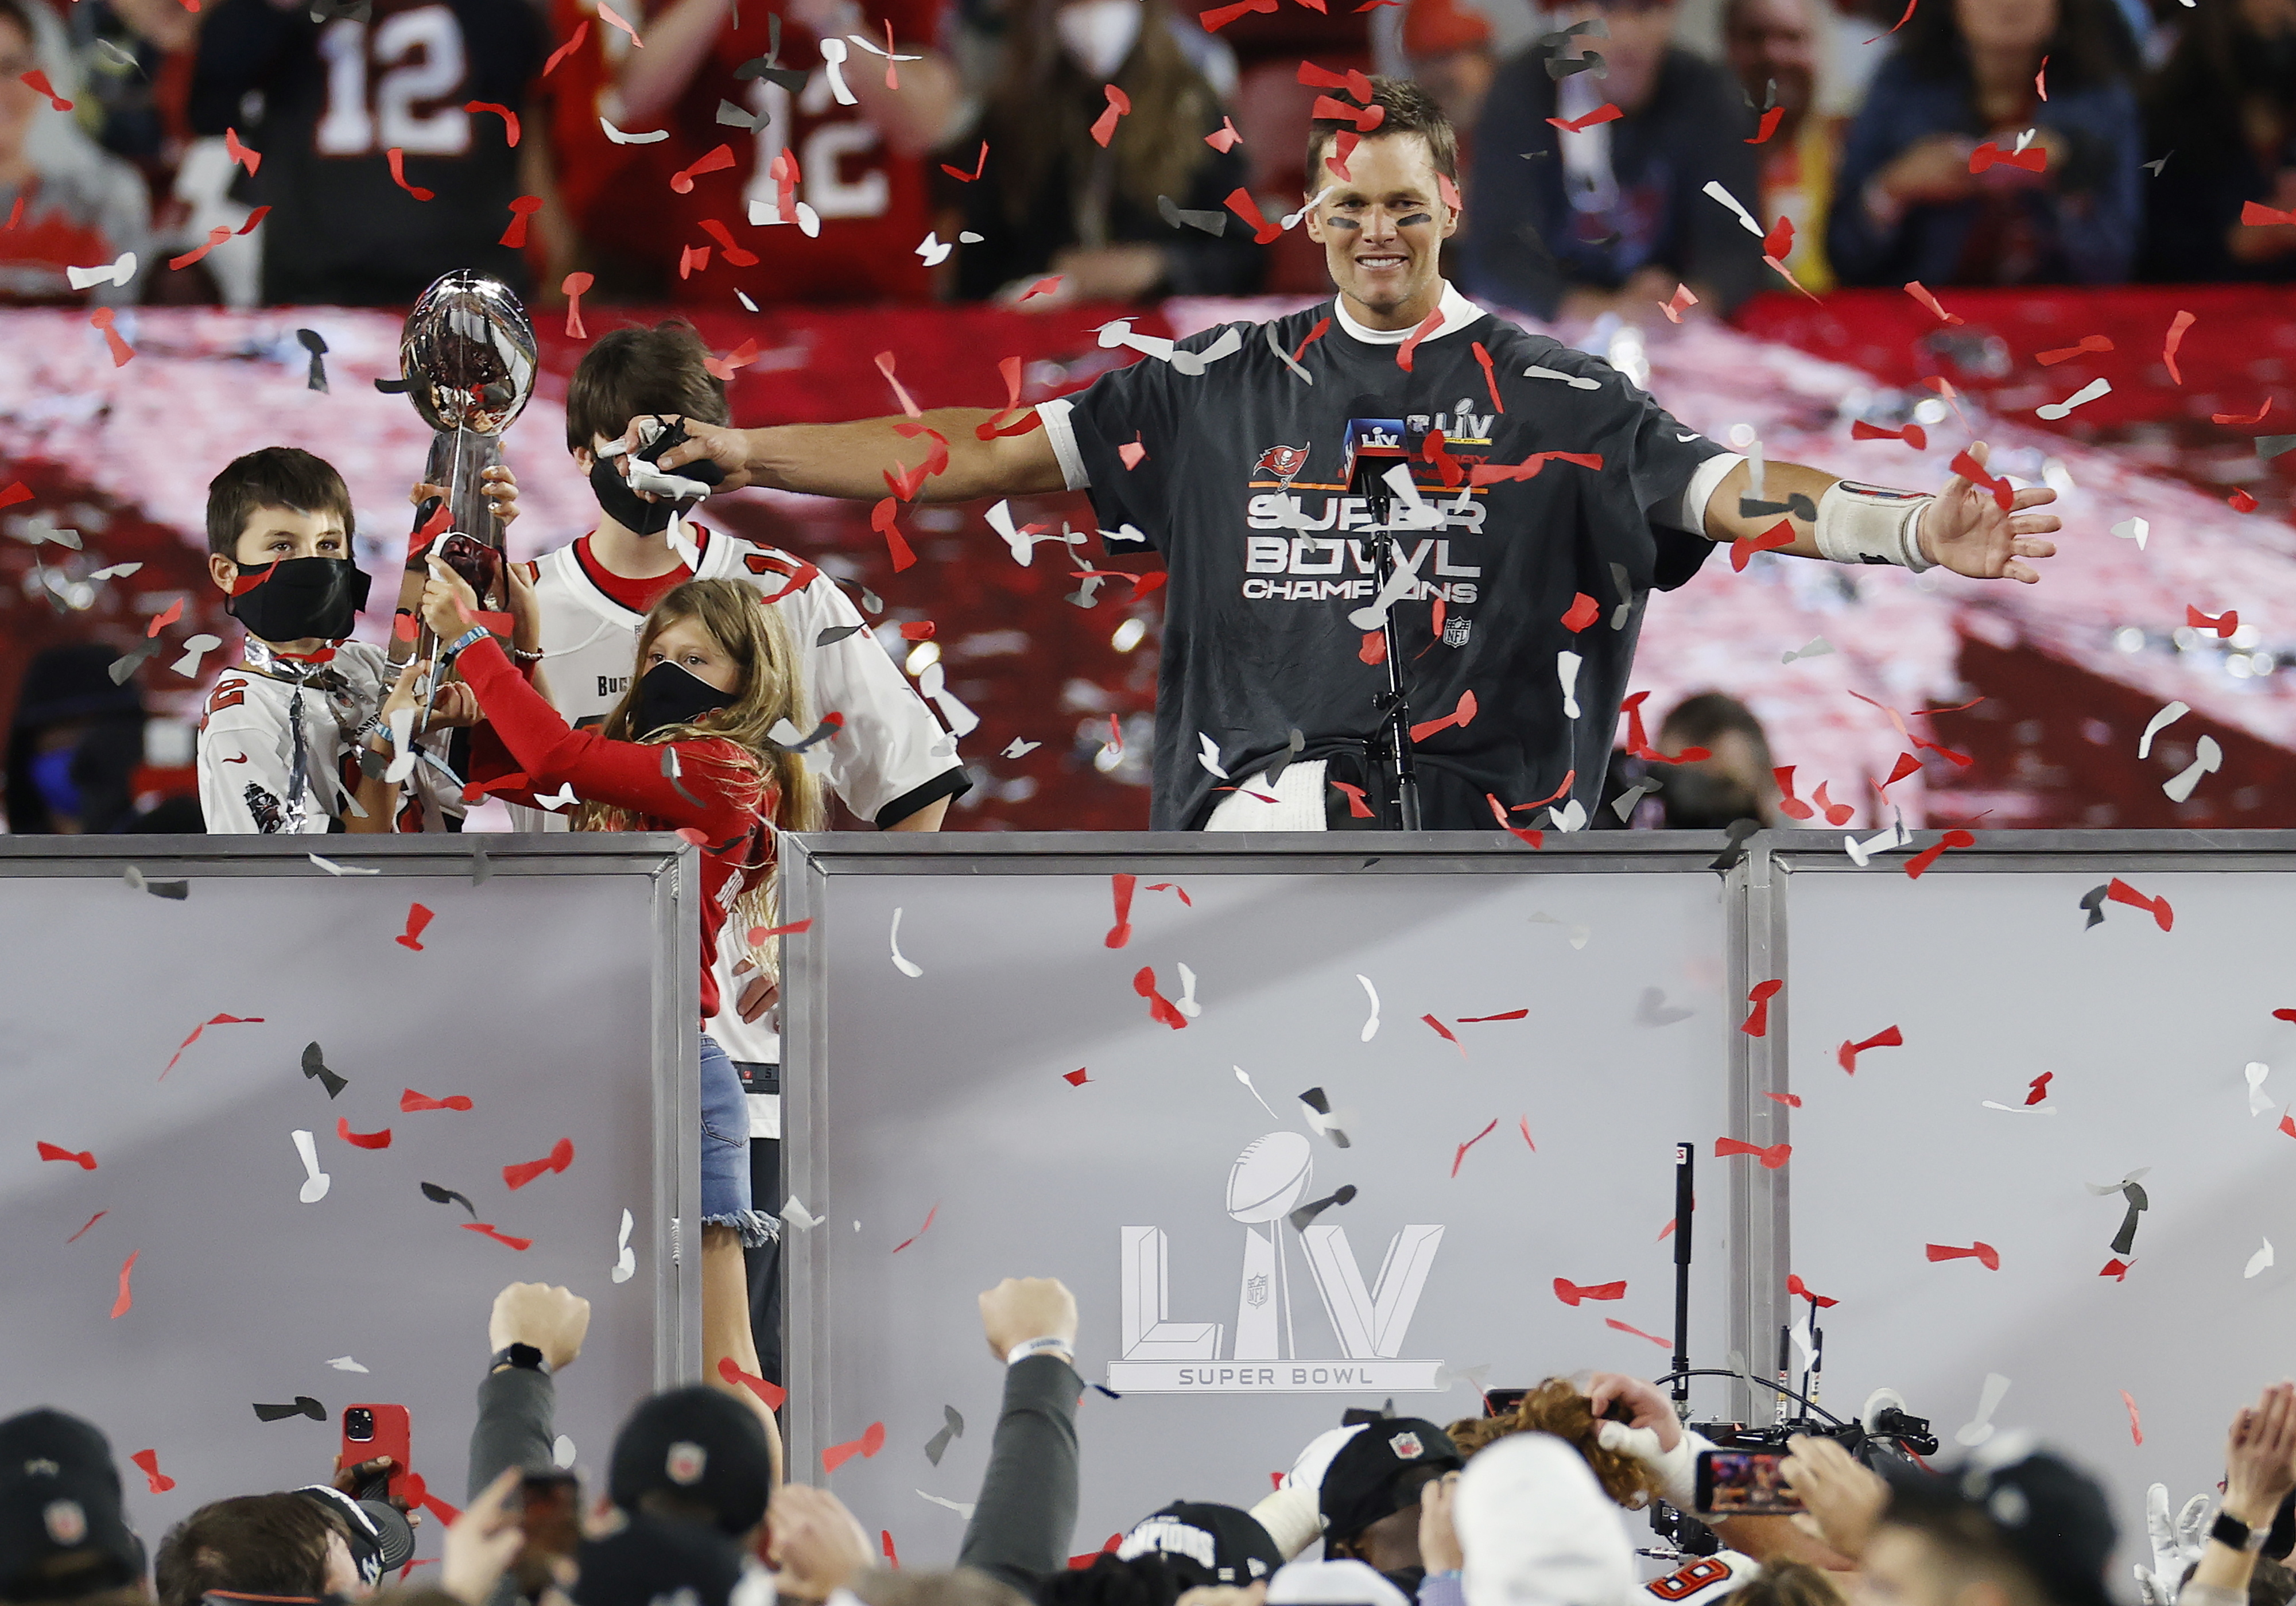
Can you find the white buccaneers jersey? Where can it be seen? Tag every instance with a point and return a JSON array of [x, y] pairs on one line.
[[882, 764], [247, 745], [1704, 1581]]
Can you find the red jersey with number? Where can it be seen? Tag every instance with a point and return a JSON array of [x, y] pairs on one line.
[[872, 205]]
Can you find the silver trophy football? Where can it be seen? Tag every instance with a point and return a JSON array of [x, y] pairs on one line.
[[467, 361]]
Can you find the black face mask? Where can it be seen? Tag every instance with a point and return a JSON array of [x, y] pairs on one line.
[[300, 598], [624, 505], [671, 693]]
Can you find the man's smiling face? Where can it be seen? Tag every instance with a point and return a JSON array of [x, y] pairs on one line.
[[1382, 229]]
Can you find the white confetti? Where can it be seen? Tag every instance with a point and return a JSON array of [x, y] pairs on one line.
[[1018, 748], [1405, 580], [110, 273], [1566, 669], [900, 964], [832, 56], [626, 1258], [401, 725], [1745, 218], [1254, 1091], [1980, 1428], [933, 251], [1882, 841], [2160, 722], [1193, 362], [117, 571], [2087, 393], [744, 298], [933, 684], [2258, 1103], [2259, 1261], [1186, 1002], [1371, 1027], [1291, 219], [2021, 1108], [1818, 647], [620, 138], [1576, 382], [2208, 759], [1210, 756], [795, 1213], [962, 1508], [343, 1363], [561, 1451], [316, 1182], [2132, 530], [195, 648], [331, 868], [879, 50]]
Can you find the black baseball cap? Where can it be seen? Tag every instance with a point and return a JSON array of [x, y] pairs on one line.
[[381, 1538], [700, 1444], [1205, 1545], [1376, 1472], [2052, 1516], [646, 1558], [63, 1528]]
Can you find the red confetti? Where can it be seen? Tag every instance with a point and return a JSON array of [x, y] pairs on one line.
[[1973, 471], [573, 42], [1487, 1131], [1801, 1289], [2039, 1090], [521, 208], [867, 1444], [1499, 813], [397, 160], [692, 259], [1357, 809], [1792, 1100], [2135, 1423], [92, 1220], [978, 166], [1526, 1134], [1984, 1253], [1445, 1033], [1077, 1077], [245, 157], [1042, 287], [2175, 338], [1778, 243], [17, 491], [1121, 889], [1929, 855], [2120, 892], [1758, 1019], [561, 1156], [775, 1396], [1638, 1332], [1571, 1292], [881, 518], [2256, 417], [1478, 1019], [1914, 287], [717, 160], [1492, 473], [1772, 1157], [2287, 1125], [2241, 502], [418, 919], [1912, 435], [1160, 1008], [149, 1460], [1461, 716], [502, 1238], [509, 118], [1078, 1564], [1174, 888], [1220, 16], [885, 1536], [2033, 158], [1604, 113], [126, 1302], [410, 1102], [2089, 342], [2224, 625], [758, 934], [1132, 452], [920, 1232], [1908, 764], [2115, 1269], [1406, 353], [361, 1140], [615, 16], [1239, 202], [1638, 740], [1490, 379], [1743, 550], [2041, 79], [1583, 612], [15, 213], [1769, 126], [38, 81], [885, 367], [85, 1160], [1849, 1052], [1682, 302], [1373, 649], [2255, 214], [203, 1026], [1119, 105]]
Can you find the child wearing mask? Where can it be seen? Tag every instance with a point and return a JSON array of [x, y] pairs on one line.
[[712, 674], [298, 736]]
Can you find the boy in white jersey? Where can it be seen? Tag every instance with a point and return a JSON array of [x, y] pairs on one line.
[[282, 734], [890, 762]]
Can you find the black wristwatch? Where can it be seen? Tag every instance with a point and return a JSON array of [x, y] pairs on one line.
[[2232, 1534], [525, 1358]]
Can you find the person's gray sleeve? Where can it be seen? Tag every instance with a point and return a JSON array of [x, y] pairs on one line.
[[1026, 1516], [516, 1426]]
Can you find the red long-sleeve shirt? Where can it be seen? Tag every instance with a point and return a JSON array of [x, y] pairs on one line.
[[715, 790]]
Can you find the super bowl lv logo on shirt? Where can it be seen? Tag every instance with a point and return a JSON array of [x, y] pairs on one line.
[[1314, 515]]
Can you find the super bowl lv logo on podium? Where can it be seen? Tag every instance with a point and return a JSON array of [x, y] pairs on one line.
[[1267, 1182]]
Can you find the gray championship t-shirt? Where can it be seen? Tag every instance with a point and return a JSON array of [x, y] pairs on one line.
[[1256, 636]]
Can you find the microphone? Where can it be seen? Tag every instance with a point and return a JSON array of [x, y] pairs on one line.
[[1376, 442]]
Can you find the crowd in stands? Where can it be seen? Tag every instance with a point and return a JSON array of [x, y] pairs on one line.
[[1527, 1504], [977, 149]]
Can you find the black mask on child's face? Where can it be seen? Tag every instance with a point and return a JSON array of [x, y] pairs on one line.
[[624, 505], [671, 693], [298, 598]]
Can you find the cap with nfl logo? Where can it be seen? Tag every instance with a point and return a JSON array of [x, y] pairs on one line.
[[1379, 1472], [63, 1530], [699, 1445], [1205, 1545]]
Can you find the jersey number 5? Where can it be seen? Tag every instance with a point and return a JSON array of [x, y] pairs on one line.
[[398, 83]]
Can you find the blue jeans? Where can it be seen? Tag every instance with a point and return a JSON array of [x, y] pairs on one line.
[[725, 1151]]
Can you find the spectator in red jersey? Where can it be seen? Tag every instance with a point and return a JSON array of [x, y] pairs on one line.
[[1056, 200], [374, 95], [860, 157], [66, 203]]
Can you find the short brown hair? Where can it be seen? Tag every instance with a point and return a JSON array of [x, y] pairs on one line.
[[1410, 110], [258, 1543], [1789, 1584], [274, 477], [635, 370], [1555, 1406]]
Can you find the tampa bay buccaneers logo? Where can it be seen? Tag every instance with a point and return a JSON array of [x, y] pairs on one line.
[[1282, 462]]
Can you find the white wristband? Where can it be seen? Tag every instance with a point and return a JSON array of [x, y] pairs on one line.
[[1872, 524], [1029, 1347]]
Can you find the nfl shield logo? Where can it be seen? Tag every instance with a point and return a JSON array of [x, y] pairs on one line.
[[1406, 1446], [1255, 1292], [67, 1523], [1282, 462], [1455, 631], [685, 1462]]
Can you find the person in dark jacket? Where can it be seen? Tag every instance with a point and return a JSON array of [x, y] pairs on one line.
[[1928, 190], [1613, 215], [1078, 187], [2221, 120]]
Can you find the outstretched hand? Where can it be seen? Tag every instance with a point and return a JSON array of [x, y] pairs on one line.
[[1967, 531], [721, 444]]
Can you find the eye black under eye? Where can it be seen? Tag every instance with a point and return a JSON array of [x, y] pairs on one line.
[[1414, 219]]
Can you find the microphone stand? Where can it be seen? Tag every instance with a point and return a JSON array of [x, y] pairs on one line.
[[1399, 706]]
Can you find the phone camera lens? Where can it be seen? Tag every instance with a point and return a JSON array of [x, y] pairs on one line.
[[358, 1425]]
